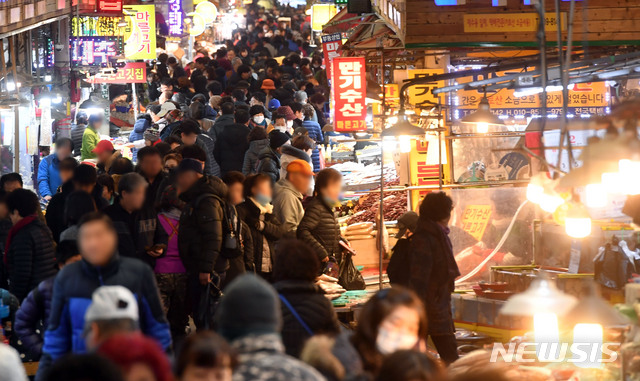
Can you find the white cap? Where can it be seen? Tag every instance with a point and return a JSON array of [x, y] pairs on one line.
[[165, 108], [111, 303]]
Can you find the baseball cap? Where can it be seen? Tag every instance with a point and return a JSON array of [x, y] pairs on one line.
[[408, 221], [300, 166], [274, 103], [165, 108], [111, 303], [103, 146], [268, 84], [187, 165]]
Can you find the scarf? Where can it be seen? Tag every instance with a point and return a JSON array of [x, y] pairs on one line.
[[15, 229], [263, 209]]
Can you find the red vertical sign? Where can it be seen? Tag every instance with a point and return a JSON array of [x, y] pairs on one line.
[[349, 88], [331, 46]]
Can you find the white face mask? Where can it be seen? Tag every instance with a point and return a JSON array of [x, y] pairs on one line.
[[281, 128], [389, 342], [289, 124], [258, 119]]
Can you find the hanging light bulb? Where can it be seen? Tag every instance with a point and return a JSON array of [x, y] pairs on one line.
[[535, 188], [482, 128], [578, 222], [404, 143], [545, 330], [591, 334], [550, 202], [595, 195], [483, 117]]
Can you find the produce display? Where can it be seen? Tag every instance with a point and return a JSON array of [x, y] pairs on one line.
[[361, 230]]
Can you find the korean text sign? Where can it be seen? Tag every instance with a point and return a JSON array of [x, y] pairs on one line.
[[175, 17], [349, 91], [95, 51], [109, 6], [133, 72], [331, 45], [140, 36]]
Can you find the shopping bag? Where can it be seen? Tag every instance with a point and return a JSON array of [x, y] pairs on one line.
[[209, 299], [349, 277]]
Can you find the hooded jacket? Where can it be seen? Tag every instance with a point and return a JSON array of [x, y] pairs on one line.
[[319, 229], [30, 258], [221, 122], [140, 126], [49, 175], [287, 204], [289, 154], [230, 147], [269, 163], [250, 164], [72, 292], [200, 231]]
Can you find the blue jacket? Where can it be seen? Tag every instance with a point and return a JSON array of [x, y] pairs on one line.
[[35, 309], [139, 128], [49, 175], [72, 291], [315, 133]]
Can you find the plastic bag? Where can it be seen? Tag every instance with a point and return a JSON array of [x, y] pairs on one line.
[[210, 296], [349, 277], [612, 267]]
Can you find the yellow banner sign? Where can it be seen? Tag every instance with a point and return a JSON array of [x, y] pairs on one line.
[[422, 173], [140, 35], [420, 96], [510, 22], [475, 220]]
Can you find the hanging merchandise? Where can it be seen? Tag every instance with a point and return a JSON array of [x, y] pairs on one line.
[[611, 266], [32, 132], [46, 124]]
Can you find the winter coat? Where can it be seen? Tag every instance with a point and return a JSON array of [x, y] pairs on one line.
[[221, 122], [90, 139], [262, 358], [231, 147], [244, 263], [49, 175], [289, 154], [433, 272], [320, 116], [314, 309], [133, 234], [319, 229], [250, 164], [211, 167], [200, 231], [33, 316], [30, 258], [76, 137], [251, 214], [287, 204], [140, 126], [315, 133], [269, 163], [72, 291]]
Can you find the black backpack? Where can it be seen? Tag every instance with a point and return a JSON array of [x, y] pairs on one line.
[[399, 268], [232, 243]]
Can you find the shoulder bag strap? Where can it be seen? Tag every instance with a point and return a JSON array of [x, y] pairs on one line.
[[296, 315]]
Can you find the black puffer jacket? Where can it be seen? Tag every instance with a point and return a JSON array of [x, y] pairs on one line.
[[269, 163], [319, 229], [200, 232], [250, 214], [31, 258], [230, 147], [314, 309]]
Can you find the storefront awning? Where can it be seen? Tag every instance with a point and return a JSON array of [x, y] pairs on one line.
[[342, 22], [364, 31]]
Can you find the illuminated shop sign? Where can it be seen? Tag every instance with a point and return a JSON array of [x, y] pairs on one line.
[[494, 3], [109, 6], [140, 34], [103, 26], [175, 18], [132, 72], [94, 51], [349, 91]]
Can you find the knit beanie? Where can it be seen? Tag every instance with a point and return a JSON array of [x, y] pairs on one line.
[[277, 139], [249, 306]]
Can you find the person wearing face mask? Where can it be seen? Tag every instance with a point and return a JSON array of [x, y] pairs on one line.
[[319, 227], [257, 117], [257, 212], [392, 320], [258, 141], [434, 270], [290, 116]]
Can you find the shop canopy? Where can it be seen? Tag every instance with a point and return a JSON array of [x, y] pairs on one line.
[[364, 31]]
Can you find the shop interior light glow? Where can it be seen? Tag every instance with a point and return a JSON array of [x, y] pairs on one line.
[[550, 202], [483, 117], [482, 128], [404, 143], [595, 195], [629, 170], [545, 330], [534, 192], [577, 222], [592, 334]]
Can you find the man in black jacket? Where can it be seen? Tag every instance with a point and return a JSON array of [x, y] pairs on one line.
[[84, 179], [191, 134], [200, 233], [434, 270], [126, 216], [226, 118], [232, 144], [150, 167], [30, 256], [269, 158]]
